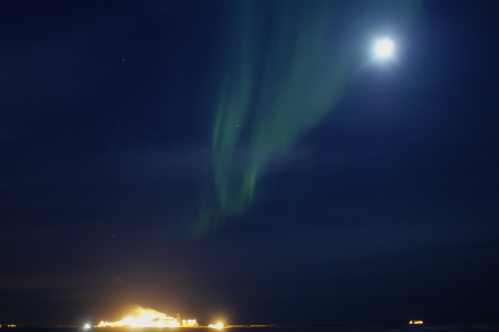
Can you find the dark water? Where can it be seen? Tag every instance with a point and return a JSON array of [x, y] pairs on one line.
[[384, 328], [353, 328]]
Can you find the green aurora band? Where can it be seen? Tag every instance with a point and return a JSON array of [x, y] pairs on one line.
[[287, 67]]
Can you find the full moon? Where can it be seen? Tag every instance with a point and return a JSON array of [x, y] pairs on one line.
[[383, 48]]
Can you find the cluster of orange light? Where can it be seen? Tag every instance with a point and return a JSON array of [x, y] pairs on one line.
[[416, 322], [143, 317], [217, 326]]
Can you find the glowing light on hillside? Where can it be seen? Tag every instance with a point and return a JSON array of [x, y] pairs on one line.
[[143, 317], [217, 326], [416, 322]]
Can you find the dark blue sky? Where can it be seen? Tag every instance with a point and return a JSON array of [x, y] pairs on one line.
[[385, 210]]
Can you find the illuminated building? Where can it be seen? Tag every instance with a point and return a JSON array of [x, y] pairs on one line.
[[187, 322], [143, 317]]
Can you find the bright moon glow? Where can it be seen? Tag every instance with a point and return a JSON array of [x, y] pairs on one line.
[[383, 48]]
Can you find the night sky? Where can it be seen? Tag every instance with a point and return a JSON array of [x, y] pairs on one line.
[[249, 161]]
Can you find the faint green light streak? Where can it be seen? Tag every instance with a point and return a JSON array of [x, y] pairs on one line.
[[286, 70]]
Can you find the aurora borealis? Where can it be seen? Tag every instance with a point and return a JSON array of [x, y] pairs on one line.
[[287, 66], [249, 162]]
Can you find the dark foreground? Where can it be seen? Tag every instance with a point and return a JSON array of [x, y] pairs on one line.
[[273, 328]]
